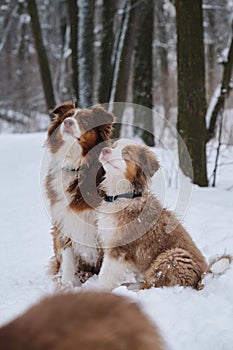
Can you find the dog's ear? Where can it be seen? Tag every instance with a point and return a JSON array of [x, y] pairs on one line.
[[103, 121], [62, 109], [149, 162], [58, 114]]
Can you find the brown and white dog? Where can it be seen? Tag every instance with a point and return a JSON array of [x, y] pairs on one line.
[[86, 321], [136, 230], [72, 134]]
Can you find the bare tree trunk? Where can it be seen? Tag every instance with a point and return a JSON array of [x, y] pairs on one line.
[[118, 47], [7, 26], [211, 54], [106, 73], [224, 90], [41, 53], [22, 58], [86, 54], [162, 49], [218, 149], [191, 87], [73, 17], [143, 79], [125, 62]]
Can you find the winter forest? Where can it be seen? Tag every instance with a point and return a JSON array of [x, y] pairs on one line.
[[173, 56], [164, 68]]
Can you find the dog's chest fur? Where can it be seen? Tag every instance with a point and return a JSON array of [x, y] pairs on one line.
[[80, 227], [141, 231]]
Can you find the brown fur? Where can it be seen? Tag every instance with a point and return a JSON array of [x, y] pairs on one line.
[[165, 259], [60, 113], [87, 321], [140, 166], [148, 237], [96, 127], [85, 270], [90, 176], [51, 193], [59, 242]]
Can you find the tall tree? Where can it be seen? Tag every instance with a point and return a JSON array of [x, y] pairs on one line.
[[217, 105], [42, 56], [122, 71], [73, 17], [22, 58], [162, 50], [85, 46], [191, 87], [143, 77], [106, 71], [211, 53]]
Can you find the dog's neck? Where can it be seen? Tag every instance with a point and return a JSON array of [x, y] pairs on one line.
[[116, 186], [128, 195]]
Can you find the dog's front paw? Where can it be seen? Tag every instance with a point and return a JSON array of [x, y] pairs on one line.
[[66, 285]]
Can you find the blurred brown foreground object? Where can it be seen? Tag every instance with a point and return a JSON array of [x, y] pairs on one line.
[[84, 321]]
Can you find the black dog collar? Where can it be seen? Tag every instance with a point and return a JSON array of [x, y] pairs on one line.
[[131, 195]]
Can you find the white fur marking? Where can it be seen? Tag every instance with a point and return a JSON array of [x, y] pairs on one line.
[[68, 265], [220, 266], [74, 130], [113, 273], [114, 164]]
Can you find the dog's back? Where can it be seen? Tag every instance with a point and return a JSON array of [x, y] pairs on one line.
[[84, 321]]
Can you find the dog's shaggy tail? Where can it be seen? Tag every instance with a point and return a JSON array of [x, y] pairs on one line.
[[220, 264]]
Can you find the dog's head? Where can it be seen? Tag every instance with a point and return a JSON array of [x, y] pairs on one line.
[[96, 127], [129, 163], [83, 127]]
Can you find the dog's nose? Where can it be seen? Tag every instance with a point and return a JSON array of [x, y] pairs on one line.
[[106, 150], [68, 122]]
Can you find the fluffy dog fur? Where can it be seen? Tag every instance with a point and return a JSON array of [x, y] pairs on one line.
[[87, 321], [75, 138], [139, 235]]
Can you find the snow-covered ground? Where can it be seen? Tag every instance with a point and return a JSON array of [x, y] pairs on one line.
[[188, 319]]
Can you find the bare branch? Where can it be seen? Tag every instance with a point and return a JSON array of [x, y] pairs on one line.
[[218, 103], [218, 149], [8, 27]]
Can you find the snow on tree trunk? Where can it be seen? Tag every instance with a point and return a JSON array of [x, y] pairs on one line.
[[119, 48], [85, 46], [124, 60], [222, 91], [162, 51], [106, 74], [73, 17]]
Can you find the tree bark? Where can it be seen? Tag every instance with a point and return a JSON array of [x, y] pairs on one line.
[[162, 49], [106, 73], [191, 87], [73, 17], [125, 63], [42, 56], [224, 91], [86, 54], [22, 59], [211, 54], [143, 80]]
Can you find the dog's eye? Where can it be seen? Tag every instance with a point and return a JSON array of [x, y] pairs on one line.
[[125, 153]]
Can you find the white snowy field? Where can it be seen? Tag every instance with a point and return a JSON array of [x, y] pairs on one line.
[[188, 319]]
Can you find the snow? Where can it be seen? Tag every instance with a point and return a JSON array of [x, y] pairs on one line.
[[118, 54], [188, 319], [213, 102]]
